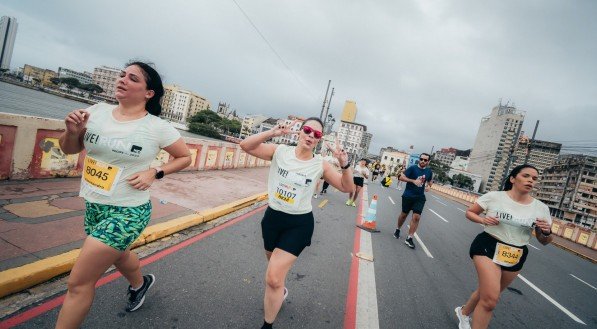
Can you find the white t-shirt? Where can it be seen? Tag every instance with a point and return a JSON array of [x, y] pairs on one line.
[[116, 150], [291, 181], [516, 219], [360, 171]]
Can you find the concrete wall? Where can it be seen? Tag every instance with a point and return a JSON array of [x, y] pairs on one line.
[[29, 149]]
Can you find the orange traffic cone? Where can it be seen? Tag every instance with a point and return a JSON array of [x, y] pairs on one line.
[[369, 222]]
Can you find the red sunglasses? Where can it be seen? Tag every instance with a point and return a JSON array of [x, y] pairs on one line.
[[316, 133]]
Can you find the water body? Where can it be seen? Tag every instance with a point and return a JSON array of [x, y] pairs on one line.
[[24, 101]]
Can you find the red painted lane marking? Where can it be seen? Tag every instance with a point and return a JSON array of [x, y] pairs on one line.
[[350, 312], [57, 301]]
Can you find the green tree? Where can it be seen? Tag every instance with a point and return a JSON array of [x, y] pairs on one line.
[[207, 117], [203, 129], [70, 82], [440, 172], [462, 181]]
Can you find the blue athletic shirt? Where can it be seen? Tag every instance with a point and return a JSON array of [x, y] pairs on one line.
[[414, 172]]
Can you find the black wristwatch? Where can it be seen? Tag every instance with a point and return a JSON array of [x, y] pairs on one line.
[[548, 234], [346, 167], [159, 173]]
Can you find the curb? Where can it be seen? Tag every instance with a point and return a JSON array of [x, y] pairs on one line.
[[26, 276], [594, 261]]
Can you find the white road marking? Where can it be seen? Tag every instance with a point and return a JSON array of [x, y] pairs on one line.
[[392, 201], [422, 244], [577, 278], [534, 246], [558, 305], [438, 215], [435, 197], [461, 210], [367, 316], [441, 203]]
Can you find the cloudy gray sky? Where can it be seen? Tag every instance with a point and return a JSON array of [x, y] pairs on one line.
[[422, 73]]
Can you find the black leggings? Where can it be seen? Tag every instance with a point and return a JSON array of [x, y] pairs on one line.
[[325, 185]]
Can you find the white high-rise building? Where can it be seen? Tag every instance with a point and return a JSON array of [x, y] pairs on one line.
[[354, 138], [495, 141], [84, 78], [106, 77], [8, 34], [178, 105]]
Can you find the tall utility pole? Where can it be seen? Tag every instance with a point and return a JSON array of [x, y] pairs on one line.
[[325, 100], [325, 116], [530, 146]]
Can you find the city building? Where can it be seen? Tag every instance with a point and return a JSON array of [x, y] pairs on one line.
[[477, 179], [291, 139], [8, 35], [349, 112], [460, 163], [179, 105], [365, 144], [84, 78], [569, 189], [106, 77], [266, 125], [413, 159], [445, 156], [394, 159], [495, 141], [353, 137], [541, 154], [38, 76], [250, 124]]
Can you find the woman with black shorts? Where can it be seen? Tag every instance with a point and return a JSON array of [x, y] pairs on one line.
[[361, 172], [288, 223], [500, 251]]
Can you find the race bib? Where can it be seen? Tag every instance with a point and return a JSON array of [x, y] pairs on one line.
[[101, 177], [288, 194], [506, 255]]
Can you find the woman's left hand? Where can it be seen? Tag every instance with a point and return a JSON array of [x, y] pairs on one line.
[[543, 225], [338, 153], [142, 180]]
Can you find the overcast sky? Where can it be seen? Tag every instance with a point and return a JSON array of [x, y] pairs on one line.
[[422, 73]]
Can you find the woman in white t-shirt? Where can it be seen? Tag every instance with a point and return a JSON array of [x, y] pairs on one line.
[[360, 173], [121, 141], [500, 251], [288, 223]]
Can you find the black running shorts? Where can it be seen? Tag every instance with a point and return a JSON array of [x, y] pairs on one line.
[[414, 203], [291, 233], [485, 244], [358, 181]]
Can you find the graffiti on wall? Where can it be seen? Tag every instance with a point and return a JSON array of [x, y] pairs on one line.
[[53, 158]]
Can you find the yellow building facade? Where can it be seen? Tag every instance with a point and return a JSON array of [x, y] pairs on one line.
[[349, 113]]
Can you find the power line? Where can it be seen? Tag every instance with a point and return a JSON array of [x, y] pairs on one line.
[[274, 51]]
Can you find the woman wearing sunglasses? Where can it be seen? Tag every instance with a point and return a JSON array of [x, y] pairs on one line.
[[288, 223]]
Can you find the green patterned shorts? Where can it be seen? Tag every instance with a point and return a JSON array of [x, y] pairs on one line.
[[116, 226]]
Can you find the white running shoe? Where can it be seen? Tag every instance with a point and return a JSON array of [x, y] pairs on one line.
[[464, 322], [285, 293], [315, 196]]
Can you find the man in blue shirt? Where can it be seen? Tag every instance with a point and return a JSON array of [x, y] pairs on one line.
[[418, 180]]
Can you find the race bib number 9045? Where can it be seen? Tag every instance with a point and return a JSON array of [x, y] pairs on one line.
[[101, 177]]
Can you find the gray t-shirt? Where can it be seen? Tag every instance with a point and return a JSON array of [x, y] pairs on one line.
[[516, 219], [116, 150]]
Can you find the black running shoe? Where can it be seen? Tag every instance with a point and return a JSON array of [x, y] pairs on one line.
[[137, 297], [409, 243], [397, 234]]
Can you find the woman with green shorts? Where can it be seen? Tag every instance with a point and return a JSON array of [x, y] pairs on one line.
[[121, 142]]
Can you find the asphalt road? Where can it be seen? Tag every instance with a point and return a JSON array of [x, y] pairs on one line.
[[217, 280]]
